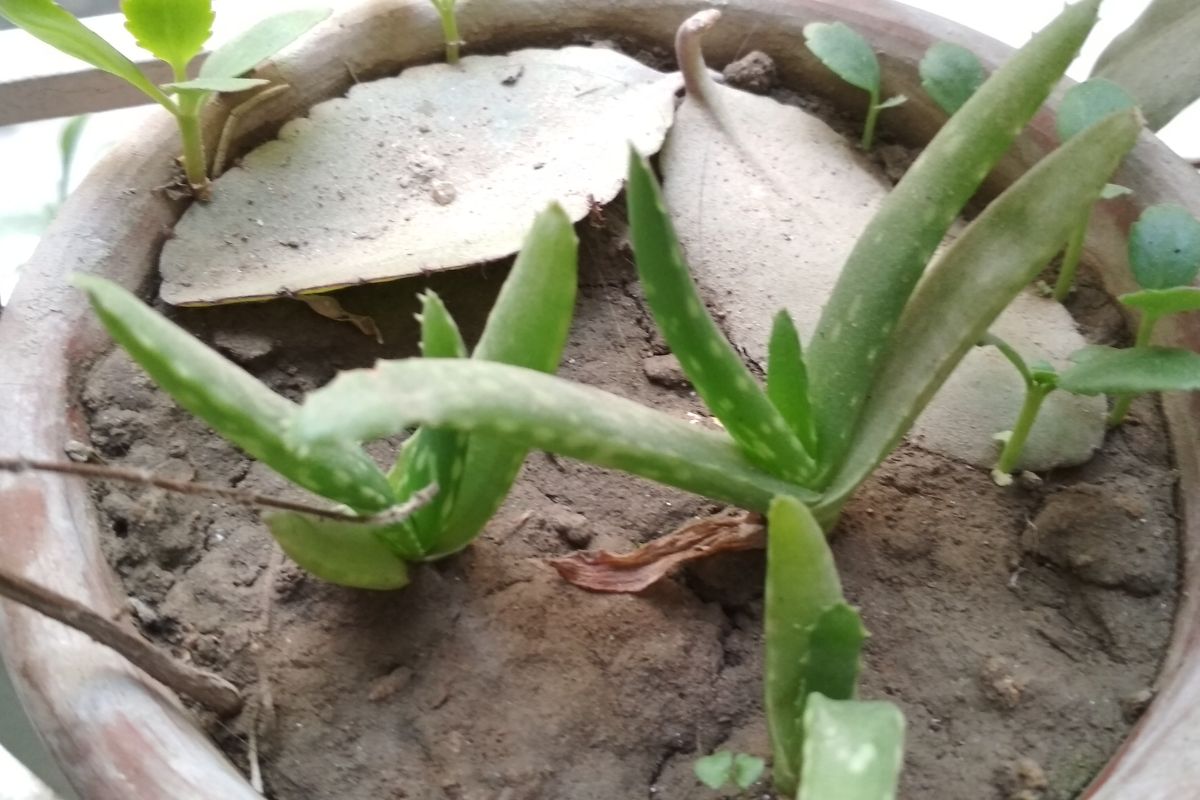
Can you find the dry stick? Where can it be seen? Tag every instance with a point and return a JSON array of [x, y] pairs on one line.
[[210, 691], [145, 477]]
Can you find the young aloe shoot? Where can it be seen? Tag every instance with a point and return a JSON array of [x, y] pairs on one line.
[[724, 768], [449, 16], [1164, 254], [851, 58], [1085, 104], [527, 326], [950, 74], [174, 32], [1094, 370], [826, 743]]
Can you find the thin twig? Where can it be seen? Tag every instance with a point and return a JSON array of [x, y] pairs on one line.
[[207, 689], [145, 477]]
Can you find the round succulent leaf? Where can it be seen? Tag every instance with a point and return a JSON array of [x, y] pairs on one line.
[[1087, 103], [172, 30], [844, 51], [715, 770], [950, 74], [747, 769], [1161, 302], [1164, 247]]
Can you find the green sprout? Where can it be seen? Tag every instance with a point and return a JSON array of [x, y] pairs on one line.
[[950, 74], [1164, 255], [173, 32], [449, 17], [527, 328], [1083, 105], [849, 55], [721, 769]]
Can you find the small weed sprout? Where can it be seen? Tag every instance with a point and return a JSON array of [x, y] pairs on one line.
[[724, 768], [174, 33], [849, 55], [449, 16], [950, 74], [1083, 105]]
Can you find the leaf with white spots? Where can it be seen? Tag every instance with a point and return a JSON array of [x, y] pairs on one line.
[[535, 410], [853, 750], [236, 404]]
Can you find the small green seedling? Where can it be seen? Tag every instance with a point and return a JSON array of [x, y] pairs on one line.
[[826, 743], [34, 223], [174, 32], [449, 16], [1083, 105], [849, 55], [1094, 370], [950, 74], [1164, 255], [724, 768], [526, 328]]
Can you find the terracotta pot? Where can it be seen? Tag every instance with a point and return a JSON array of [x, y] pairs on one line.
[[118, 734]]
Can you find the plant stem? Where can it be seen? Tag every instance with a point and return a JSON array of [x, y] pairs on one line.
[[1121, 403], [1035, 394], [194, 162], [1071, 257], [868, 136], [241, 496], [207, 689], [449, 29]]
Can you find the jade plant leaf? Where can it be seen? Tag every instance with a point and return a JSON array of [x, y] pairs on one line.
[[344, 553], [1135, 370], [258, 43], [236, 404], [537, 410], [1161, 302], [1089, 102], [976, 278], [716, 371], [853, 750], [846, 52], [951, 73], [437, 168], [55, 26], [1164, 247], [173, 31], [857, 325]]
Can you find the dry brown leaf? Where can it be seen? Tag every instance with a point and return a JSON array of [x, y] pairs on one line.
[[602, 571], [330, 308]]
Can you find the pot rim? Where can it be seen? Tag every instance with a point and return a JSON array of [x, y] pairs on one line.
[[117, 733]]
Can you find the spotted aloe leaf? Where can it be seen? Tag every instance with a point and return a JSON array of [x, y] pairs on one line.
[[853, 750], [233, 402], [787, 381], [857, 325], [711, 363], [516, 406], [973, 282]]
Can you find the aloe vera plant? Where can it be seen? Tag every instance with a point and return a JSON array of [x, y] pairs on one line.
[[175, 33], [527, 327]]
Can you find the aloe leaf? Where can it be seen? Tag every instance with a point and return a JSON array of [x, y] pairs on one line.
[[259, 42], [1087, 103], [58, 28], [853, 750], [207, 85], [1164, 247], [975, 279], [527, 327], [233, 402], [173, 31], [339, 552], [715, 770], [835, 644], [950, 74], [1161, 302], [857, 324], [716, 371], [534, 410], [802, 582], [787, 381], [1136, 370]]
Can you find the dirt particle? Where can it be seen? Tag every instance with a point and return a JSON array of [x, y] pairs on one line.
[[244, 347], [665, 371], [754, 72], [1134, 704], [386, 687], [1001, 684]]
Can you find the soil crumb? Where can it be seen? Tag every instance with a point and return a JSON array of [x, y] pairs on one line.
[[1019, 629]]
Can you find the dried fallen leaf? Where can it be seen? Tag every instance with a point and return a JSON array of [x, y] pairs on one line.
[[602, 571], [437, 168], [331, 308]]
